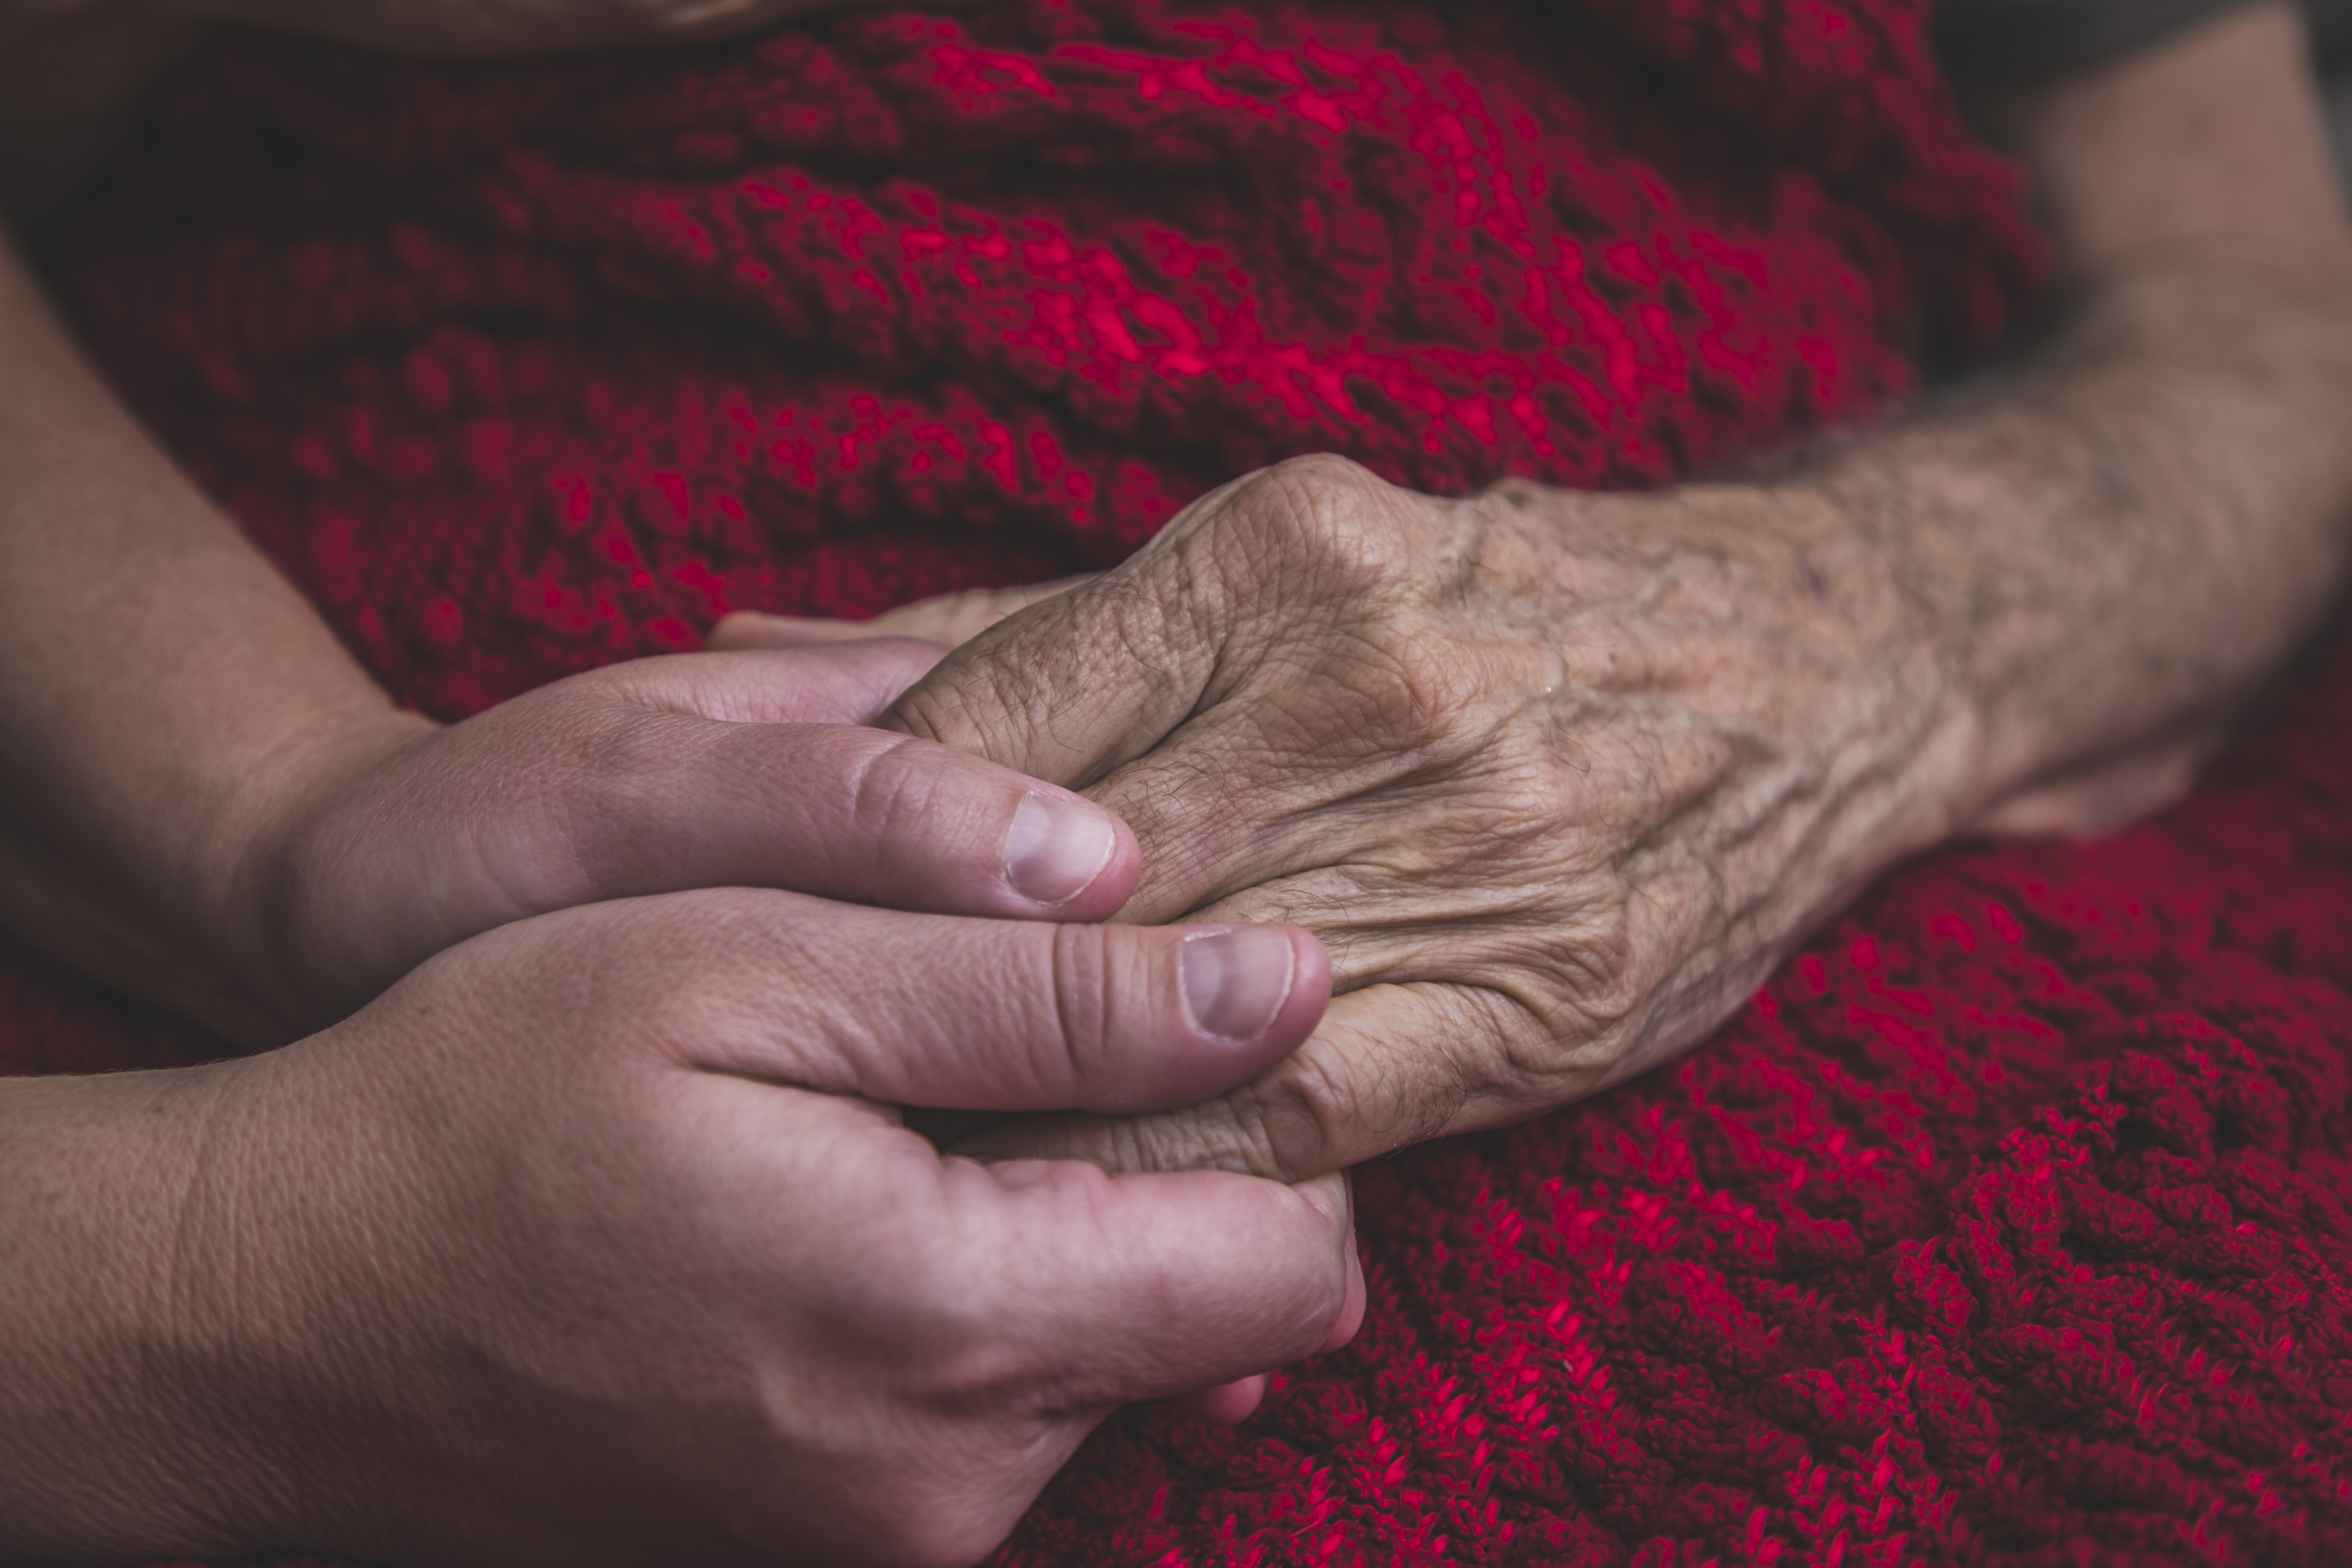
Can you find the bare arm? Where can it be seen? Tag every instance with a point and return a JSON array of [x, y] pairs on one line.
[[156, 676], [599, 1239], [1557, 777], [2124, 536], [210, 805], [246, 1306], [252, 1305]]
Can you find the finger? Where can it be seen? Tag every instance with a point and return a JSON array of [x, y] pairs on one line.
[[1200, 837], [1227, 806], [1157, 1287], [1252, 670], [581, 797], [946, 619], [1389, 1066], [1360, 762], [1351, 1312], [1078, 683], [750, 629], [850, 814], [1227, 1404], [831, 682], [983, 1014], [953, 618], [1231, 1404]]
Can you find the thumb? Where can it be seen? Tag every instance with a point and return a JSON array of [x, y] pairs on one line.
[[1071, 688], [931, 1010], [702, 770]]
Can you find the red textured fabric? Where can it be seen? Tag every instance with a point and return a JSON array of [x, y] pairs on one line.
[[2009, 1224]]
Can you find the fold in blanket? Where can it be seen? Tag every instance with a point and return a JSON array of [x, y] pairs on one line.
[[2009, 1224]]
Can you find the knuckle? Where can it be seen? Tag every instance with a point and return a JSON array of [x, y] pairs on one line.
[[968, 1345], [924, 1297], [1332, 516], [609, 776], [1570, 1005], [1592, 974], [1083, 981], [1319, 479], [1288, 1128], [895, 792], [965, 1369], [1287, 1134], [1323, 1110]]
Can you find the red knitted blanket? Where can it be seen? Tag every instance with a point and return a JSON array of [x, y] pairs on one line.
[[2009, 1224]]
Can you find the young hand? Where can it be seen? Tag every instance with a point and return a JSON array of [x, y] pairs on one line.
[[597, 1240], [745, 769]]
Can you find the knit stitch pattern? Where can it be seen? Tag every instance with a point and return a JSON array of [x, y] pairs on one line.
[[2009, 1224]]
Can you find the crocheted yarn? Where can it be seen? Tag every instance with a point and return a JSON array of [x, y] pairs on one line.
[[521, 369], [2008, 1224]]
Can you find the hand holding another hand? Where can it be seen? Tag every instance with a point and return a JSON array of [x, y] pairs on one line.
[[598, 1240], [364, 851], [1556, 777]]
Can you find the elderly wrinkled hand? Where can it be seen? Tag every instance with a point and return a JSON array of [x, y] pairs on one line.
[[1554, 776]]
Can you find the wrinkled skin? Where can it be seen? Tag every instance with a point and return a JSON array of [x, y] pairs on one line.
[[1556, 777]]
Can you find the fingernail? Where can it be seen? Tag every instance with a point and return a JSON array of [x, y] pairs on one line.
[[1055, 849], [1237, 979]]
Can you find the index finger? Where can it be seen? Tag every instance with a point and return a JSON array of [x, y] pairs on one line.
[[929, 1010], [1389, 1066]]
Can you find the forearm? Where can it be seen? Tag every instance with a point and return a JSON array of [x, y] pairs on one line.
[[2031, 606], [103, 1446], [157, 676], [2104, 553], [2046, 590], [2112, 544]]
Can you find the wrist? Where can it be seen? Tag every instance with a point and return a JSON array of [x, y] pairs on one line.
[[257, 862], [1778, 609], [156, 675], [2108, 551], [172, 892], [1891, 701], [114, 1441]]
